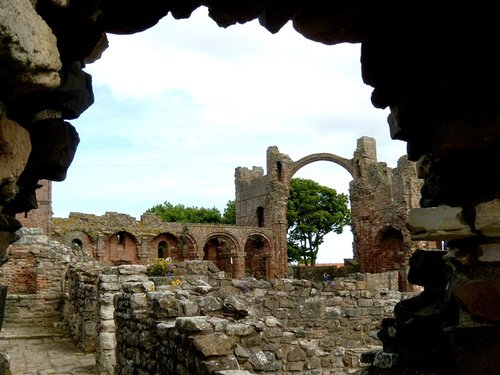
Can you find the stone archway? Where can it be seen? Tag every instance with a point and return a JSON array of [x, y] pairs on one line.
[[164, 245], [347, 164], [257, 257], [80, 239], [390, 253], [222, 250], [121, 248]]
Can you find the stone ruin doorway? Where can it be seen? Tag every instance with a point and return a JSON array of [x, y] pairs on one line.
[[389, 254], [257, 257], [221, 250]]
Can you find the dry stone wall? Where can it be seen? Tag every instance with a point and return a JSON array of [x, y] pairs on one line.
[[208, 323]]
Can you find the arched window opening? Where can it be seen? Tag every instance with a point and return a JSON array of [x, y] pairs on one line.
[[220, 251], [260, 216], [76, 244], [162, 247], [279, 170]]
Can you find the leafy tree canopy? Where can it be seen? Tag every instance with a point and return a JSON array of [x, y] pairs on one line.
[[179, 213], [229, 216], [313, 212]]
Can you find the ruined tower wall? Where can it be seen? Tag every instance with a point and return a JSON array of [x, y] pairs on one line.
[[35, 275], [251, 193], [41, 217], [380, 196]]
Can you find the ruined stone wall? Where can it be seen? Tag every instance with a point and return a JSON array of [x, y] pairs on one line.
[[206, 322], [116, 239], [380, 197], [89, 307], [251, 188], [35, 276], [41, 217], [280, 326], [81, 301]]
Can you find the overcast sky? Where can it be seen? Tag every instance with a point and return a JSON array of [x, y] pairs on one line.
[[180, 106]]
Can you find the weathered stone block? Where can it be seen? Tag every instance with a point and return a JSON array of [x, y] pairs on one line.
[[480, 298], [296, 366], [489, 253], [193, 324], [438, 223], [214, 344], [106, 312], [132, 269], [257, 359], [107, 325], [488, 218], [271, 303], [332, 312], [296, 354], [239, 329], [209, 303], [107, 341], [190, 308], [15, 148], [110, 286], [365, 302], [138, 301], [30, 56]]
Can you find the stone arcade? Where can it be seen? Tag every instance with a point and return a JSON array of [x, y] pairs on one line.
[[437, 71]]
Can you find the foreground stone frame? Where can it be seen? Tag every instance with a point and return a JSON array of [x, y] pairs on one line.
[[436, 70]]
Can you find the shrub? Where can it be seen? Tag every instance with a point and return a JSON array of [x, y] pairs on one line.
[[161, 267]]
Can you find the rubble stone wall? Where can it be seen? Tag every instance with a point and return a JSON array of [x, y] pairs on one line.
[[41, 217], [208, 323], [35, 276]]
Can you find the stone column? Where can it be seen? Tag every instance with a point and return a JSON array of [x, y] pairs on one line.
[[100, 247], [143, 248], [279, 262], [238, 268]]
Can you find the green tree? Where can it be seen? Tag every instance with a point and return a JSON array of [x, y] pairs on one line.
[[313, 212], [179, 213], [229, 216]]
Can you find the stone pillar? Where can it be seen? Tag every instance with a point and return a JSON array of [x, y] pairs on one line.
[[279, 262], [143, 253], [100, 247], [238, 268]]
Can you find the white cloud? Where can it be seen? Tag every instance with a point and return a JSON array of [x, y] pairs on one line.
[[180, 106]]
